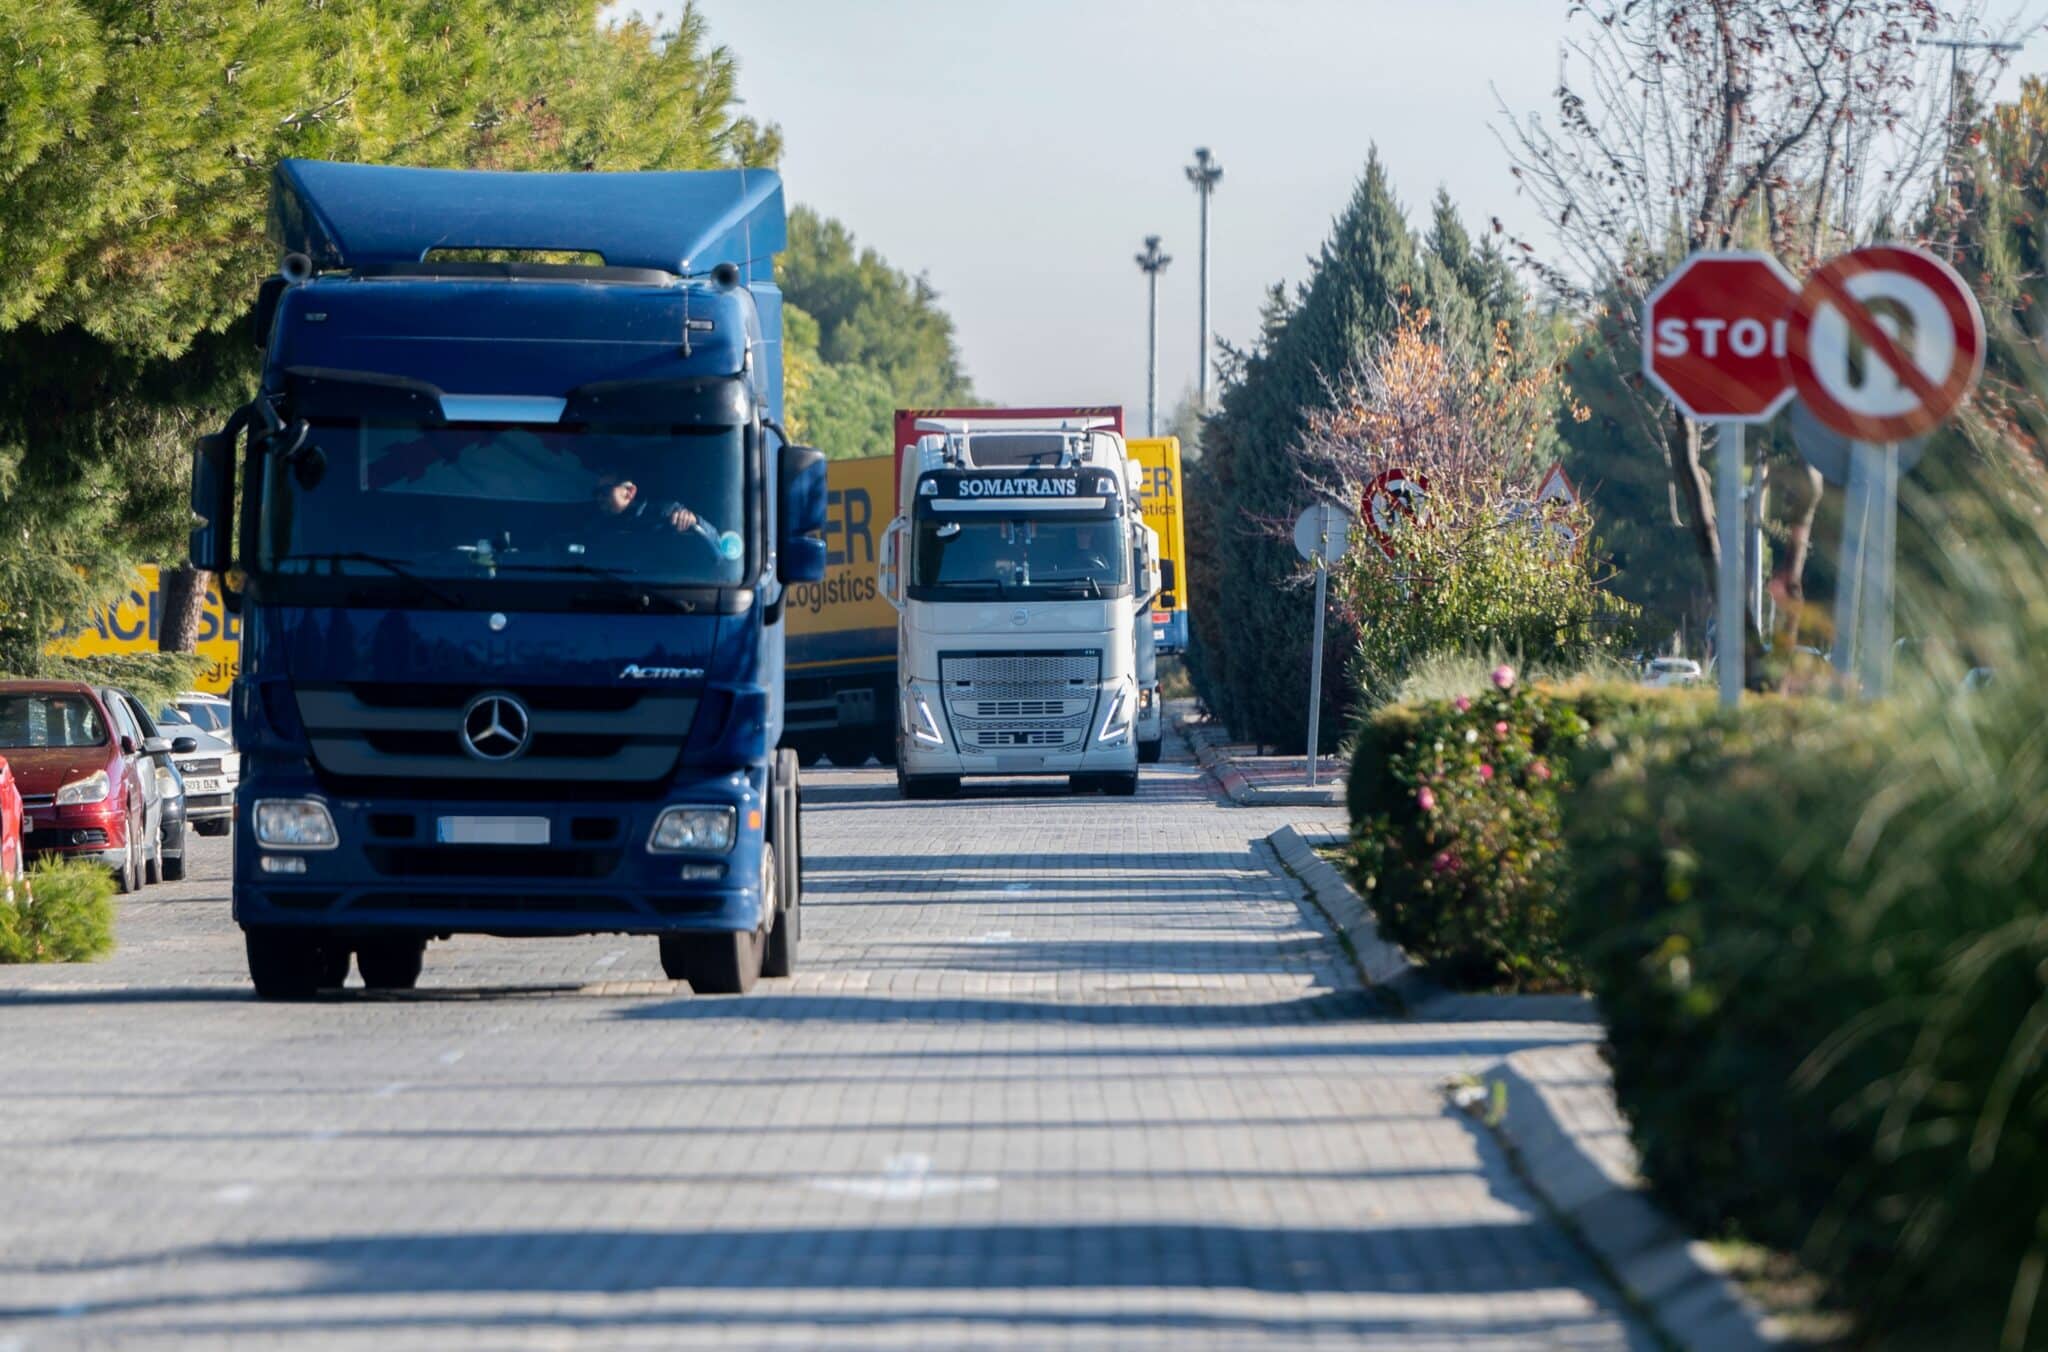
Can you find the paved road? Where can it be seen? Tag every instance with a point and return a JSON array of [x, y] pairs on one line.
[[1069, 1072]]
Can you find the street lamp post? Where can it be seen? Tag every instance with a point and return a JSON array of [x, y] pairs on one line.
[[1152, 263], [1204, 173]]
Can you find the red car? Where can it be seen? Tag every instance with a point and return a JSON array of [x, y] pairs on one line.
[[86, 775], [11, 826]]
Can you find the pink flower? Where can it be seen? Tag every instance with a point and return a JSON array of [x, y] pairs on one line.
[[1443, 861], [1486, 772], [1500, 729], [1540, 770], [1461, 704], [1503, 677], [1425, 798]]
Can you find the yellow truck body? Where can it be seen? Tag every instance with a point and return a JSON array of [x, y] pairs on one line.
[[1159, 489], [841, 692], [133, 624]]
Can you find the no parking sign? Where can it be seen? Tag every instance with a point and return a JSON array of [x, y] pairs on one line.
[[1884, 343]]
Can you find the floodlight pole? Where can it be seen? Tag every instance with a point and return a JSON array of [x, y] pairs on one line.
[[1152, 263], [1204, 173]]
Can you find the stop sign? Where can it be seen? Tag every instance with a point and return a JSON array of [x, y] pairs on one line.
[[1714, 336]]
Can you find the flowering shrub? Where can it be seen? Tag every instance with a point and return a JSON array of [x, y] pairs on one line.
[[1456, 832]]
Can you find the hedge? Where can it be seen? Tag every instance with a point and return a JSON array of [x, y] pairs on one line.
[[61, 911], [1456, 811], [1820, 943]]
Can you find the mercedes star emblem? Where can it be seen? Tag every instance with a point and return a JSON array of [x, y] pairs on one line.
[[496, 726]]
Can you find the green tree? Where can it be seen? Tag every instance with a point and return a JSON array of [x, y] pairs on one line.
[[870, 314], [136, 143], [1251, 656]]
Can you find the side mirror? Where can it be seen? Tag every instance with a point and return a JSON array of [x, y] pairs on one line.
[[800, 552], [184, 746], [212, 543], [127, 745], [1168, 582], [156, 746], [888, 569]]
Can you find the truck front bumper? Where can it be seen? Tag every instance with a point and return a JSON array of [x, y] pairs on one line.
[[393, 869]]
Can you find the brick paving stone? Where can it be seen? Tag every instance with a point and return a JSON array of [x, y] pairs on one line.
[[1055, 1072]]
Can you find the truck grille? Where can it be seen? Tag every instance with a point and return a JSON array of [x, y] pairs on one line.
[[1012, 701], [413, 731]]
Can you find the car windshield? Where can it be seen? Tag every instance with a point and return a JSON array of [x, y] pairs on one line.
[[1034, 554], [50, 720], [211, 717], [664, 506]]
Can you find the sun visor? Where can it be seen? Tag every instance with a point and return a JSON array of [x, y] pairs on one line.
[[700, 401], [682, 222], [335, 395]]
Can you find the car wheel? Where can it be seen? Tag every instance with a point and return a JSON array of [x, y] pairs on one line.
[[391, 964], [128, 878], [153, 866], [214, 826], [174, 868]]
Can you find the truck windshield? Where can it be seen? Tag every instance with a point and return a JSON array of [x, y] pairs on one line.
[[655, 505], [1051, 557]]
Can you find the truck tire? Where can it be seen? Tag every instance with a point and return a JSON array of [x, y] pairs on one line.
[[780, 865], [927, 786], [807, 753], [1148, 752], [713, 964], [1120, 786], [778, 958], [391, 964], [286, 965]]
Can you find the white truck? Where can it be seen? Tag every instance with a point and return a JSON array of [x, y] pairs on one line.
[[1020, 566]]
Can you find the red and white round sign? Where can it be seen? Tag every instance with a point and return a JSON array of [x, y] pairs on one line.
[[1394, 498], [1885, 342]]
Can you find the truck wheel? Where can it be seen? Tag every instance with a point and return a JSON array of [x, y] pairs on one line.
[[807, 753], [927, 786], [391, 964], [284, 965], [713, 964], [884, 749], [1148, 752], [779, 958], [333, 966], [1120, 786], [1081, 784]]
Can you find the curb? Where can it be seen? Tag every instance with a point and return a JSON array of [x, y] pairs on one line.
[[1381, 965], [1207, 743], [1677, 1282]]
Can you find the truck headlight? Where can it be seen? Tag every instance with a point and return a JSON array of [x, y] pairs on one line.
[[692, 830], [1116, 724], [92, 788], [295, 824], [923, 727]]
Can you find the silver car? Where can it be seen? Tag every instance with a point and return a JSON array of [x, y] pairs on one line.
[[210, 773]]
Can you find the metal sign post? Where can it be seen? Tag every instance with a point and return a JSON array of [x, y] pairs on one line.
[[1322, 535], [1730, 636]]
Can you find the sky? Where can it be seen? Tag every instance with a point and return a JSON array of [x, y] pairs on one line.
[[1017, 152]]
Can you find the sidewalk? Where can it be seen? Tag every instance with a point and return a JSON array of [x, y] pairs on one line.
[[1252, 780]]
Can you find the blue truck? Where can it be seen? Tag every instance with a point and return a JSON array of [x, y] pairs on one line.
[[509, 525]]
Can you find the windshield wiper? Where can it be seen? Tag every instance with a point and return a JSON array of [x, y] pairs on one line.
[[625, 582], [396, 567], [1094, 586]]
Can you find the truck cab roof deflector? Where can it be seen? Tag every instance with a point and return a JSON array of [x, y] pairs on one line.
[[683, 222]]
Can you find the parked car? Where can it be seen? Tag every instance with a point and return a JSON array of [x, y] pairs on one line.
[[210, 771], [87, 777], [170, 783], [208, 713], [12, 855], [1664, 671]]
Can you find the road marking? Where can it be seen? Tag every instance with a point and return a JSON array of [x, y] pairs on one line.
[[904, 1178], [234, 1194], [997, 937]]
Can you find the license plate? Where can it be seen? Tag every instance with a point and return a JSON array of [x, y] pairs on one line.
[[206, 786], [491, 830]]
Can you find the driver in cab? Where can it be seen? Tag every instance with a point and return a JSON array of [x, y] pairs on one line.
[[620, 510]]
